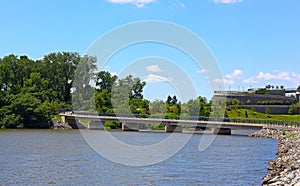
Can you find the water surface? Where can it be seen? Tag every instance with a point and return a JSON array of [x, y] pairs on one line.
[[31, 157]]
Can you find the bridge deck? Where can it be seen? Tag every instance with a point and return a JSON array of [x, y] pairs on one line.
[[169, 121], [191, 123]]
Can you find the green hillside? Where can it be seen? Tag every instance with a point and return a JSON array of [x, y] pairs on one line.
[[245, 113]]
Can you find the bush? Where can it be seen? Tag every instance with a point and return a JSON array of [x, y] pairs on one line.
[[112, 125], [292, 109], [159, 127]]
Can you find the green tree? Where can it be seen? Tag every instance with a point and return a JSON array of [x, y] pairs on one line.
[[246, 114], [139, 106], [204, 107], [172, 100], [263, 90], [103, 101], [84, 93], [14, 71], [105, 81], [197, 107], [235, 103], [31, 92], [173, 106], [26, 112], [267, 110], [292, 109], [191, 107], [127, 96], [158, 107], [218, 108], [59, 69]]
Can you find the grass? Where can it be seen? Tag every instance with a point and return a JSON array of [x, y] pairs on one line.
[[108, 125], [159, 127], [84, 122], [112, 125], [241, 113]]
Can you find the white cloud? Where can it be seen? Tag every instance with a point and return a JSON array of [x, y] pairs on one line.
[[176, 4], [153, 68], [180, 4], [230, 78], [291, 77], [236, 74], [202, 71], [225, 81], [251, 80], [114, 74], [137, 3], [151, 78], [227, 1]]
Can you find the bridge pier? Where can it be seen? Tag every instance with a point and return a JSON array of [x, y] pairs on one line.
[[200, 128], [95, 125], [130, 126], [221, 131], [173, 128], [72, 121], [298, 96], [63, 118]]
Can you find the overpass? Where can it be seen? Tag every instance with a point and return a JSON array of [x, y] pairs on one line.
[[171, 125], [293, 90]]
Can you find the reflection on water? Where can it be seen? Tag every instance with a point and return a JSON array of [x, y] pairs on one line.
[[30, 157]]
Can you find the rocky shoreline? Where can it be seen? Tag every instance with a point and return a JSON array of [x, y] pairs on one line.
[[60, 125], [285, 170]]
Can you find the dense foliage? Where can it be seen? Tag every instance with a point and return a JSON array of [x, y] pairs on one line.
[[32, 92]]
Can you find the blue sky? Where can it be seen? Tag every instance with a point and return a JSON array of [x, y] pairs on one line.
[[255, 42]]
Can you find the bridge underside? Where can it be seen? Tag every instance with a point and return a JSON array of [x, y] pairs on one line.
[[130, 126], [96, 125], [133, 124], [221, 131], [173, 128]]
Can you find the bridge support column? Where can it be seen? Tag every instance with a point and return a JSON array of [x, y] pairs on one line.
[[63, 118], [221, 131], [130, 126], [96, 125], [298, 96], [72, 121], [173, 128], [200, 128]]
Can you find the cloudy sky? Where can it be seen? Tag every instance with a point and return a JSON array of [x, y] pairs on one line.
[[254, 42]]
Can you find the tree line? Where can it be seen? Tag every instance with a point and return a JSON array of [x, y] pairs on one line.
[[32, 92]]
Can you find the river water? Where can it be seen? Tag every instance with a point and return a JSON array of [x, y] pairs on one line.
[[41, 157]]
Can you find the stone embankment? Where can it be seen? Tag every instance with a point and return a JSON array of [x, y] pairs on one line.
[[285, 170], [61, 125]]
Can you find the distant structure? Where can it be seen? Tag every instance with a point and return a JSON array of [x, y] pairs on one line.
[[262, 98]]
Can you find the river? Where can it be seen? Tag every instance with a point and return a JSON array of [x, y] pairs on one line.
[[40, 157]]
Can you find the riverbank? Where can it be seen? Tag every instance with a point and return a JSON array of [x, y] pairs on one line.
[[285, 170]]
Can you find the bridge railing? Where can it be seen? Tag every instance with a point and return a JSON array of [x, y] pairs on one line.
[[244, 120], [199, 118], [284, 125]]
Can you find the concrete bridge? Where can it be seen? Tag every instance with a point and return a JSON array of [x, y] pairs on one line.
[[293, 90], [133, 123]]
